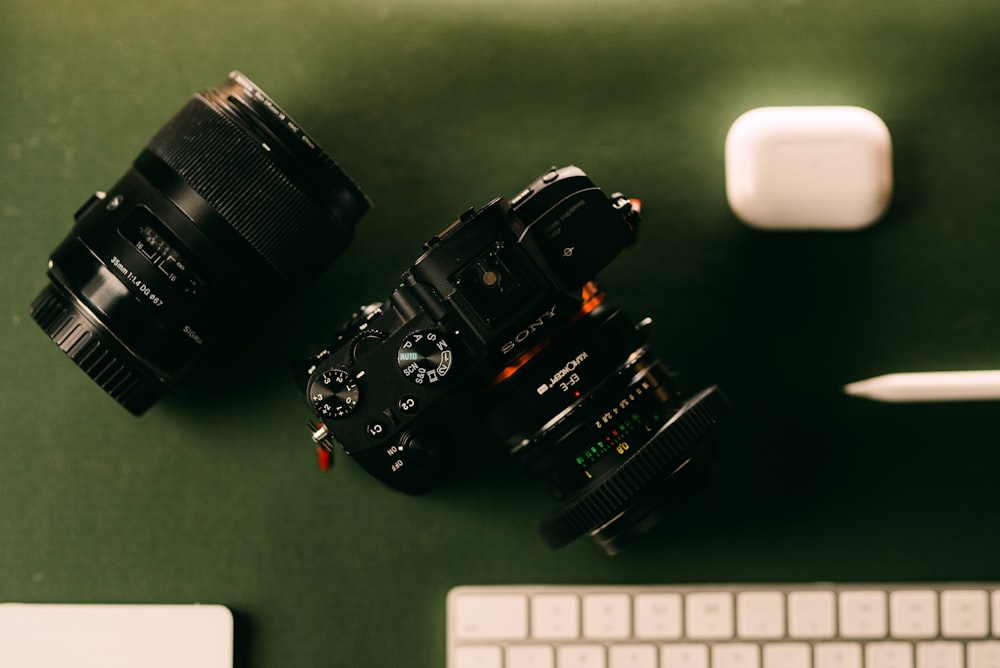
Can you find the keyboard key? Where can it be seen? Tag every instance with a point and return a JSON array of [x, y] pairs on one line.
[[984, 654], [657, 616], [760, 615], [684, 655], [492, 617], [709, 615], [580, 656], [863, 614], [889, 655], [964, 614], [735, 655], [607, 616], [787, 655], [555, 617], [634, 656], [479, 657], [530, 656], [837, 655], [913, 614], [940, 654], [811, 614]]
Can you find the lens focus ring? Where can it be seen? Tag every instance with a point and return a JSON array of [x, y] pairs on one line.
[[230, 169]]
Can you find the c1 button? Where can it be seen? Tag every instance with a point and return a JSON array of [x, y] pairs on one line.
[[377, 428], [408, 404]]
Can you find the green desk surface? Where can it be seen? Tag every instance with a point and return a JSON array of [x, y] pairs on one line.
[[439, 105]]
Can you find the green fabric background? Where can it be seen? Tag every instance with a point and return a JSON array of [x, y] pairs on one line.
[[439, 105]]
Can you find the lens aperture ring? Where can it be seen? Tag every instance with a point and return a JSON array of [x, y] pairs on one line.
[[606, 498]]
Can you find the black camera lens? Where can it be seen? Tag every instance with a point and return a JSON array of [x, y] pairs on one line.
[[598, 417], [229, 208]]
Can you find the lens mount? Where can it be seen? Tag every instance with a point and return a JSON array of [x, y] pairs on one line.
[[94, 349]]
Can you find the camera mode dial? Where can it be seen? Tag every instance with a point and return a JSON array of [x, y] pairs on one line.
[[424, 357], [334, 394]]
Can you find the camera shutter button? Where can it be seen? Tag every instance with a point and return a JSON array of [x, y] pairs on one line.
[[366, 342]]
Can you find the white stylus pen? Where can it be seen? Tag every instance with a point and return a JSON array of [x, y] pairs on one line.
[[929, 386]]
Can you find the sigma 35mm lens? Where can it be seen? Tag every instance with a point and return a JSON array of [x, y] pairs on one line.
[[228, 209]]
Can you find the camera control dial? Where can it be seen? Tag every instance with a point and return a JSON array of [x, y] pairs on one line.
[[334, 394], [424, 357]]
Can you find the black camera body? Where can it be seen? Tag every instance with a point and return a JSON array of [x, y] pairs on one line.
[[493, 285], [501, 308]]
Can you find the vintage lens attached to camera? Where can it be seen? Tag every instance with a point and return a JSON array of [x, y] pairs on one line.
[[228, 209], [501, 313], [597, 417]]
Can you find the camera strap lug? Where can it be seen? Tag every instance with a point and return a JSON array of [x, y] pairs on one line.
[[324, 445]]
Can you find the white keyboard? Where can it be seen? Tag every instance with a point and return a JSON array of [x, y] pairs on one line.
[[931, 625]]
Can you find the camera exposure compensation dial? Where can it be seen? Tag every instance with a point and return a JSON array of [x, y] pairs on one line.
[[334, 394]]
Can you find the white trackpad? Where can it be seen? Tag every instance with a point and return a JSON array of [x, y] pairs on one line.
[[115, 636]]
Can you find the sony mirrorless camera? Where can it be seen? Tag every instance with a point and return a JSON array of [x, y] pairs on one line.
[[501, 308]]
